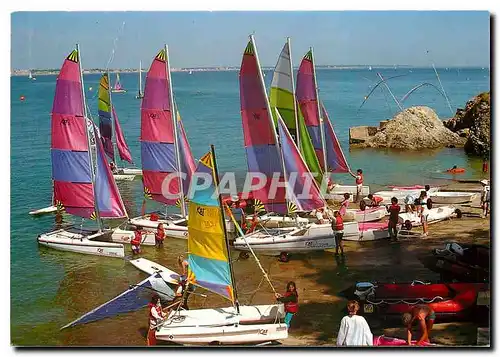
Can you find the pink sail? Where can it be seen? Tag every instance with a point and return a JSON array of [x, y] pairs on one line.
[[335, 158], [305, 190], [157, 135], [123, 149], [259, 138], [308, 103], [186, 156], [71, 169]]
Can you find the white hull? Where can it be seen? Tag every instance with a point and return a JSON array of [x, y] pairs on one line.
[[46, 210], [433, 215], [254, 324], [366, 233], [370, 214], [82, 241], [401, 194], [130, 171], [173, 228], [119, 177], [337, 193], [149, 267], [453, 197], [118, 91], [123, 236]]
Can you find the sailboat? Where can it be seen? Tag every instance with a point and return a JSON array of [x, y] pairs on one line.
[[210, 268], [140, 94], [118, 86], [30, 76], [83, 185], [109, 124], [165, 151]]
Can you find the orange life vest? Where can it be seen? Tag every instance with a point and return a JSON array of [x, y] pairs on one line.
[[292, 307], [359, 179], [339, 223]]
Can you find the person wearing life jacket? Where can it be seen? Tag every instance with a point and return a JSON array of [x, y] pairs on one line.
[[344, 204], [156, 318], [359, 183], [338, 232], [291, 301], [136, 242], [159, 235], [255, 221], [485, 198], [373, 201], [393, 210]]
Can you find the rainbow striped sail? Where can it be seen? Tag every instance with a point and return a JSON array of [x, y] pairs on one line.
[[157, 134], [308, 102], [259, 138], [303, 194], [335, 158], [208, 256]]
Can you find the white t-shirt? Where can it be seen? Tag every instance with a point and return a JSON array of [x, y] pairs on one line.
[[319, 216], [354, 331], [485, 195]]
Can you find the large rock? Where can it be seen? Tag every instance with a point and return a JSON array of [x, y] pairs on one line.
[[475, 121], [412, 129]]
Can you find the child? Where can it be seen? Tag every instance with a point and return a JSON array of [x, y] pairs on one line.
[[156, 317], [136, 242], [425, 315], [374, 201], [291, 301], [319, 216], [159, 235], [354, 330], [359, 183], [338, 232], [344, 204], [393, 210], [485, 198]]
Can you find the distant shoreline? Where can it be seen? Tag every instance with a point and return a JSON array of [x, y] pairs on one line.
[[51, 72]]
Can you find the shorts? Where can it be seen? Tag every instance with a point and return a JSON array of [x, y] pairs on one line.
[[338, 237], [423, 218]]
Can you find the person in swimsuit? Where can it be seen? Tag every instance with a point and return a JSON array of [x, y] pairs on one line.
[[426, 317]]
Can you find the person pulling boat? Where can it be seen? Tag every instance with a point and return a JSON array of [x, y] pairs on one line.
[[156, 318]]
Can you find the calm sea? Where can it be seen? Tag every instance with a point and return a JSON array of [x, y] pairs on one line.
[[49, 288]]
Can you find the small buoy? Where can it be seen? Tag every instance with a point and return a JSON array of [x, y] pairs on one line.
[[90, 89], [21, 98]]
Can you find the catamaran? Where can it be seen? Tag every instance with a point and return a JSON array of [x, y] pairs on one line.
[[83, 184], [118, 86], [140, 94], [109, 124], [31, 76]]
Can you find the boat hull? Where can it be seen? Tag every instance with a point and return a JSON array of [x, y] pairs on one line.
[[46, 210], [125, 237], [118, 91], [119, 177], [453, 197], [130, 171], [337, 193], [434, 215], [84, 242]]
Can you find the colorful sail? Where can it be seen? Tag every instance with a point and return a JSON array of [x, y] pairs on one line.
[[335, 158], [105, 123], [259, 137], [308, 102], [109, 202], [207, 251], [188, 165], [303, 191], [121, 144], [157, 135], [281, 93], [71, 169], [118, 85]]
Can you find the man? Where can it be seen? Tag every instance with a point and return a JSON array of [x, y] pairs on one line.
[[426, 317], [485, 198], [359, 183]]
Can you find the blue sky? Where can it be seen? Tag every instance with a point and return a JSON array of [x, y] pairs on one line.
[[219, 38]]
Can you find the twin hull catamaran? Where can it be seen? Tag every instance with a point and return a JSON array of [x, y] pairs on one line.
[[118, 86], [83, 184]]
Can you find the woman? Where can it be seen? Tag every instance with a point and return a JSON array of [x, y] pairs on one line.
[[426, 317], [156, 318], [183, 283], [159, 236], [291, 301], [354, 330]]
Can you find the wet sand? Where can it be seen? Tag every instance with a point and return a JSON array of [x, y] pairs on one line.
[[319, 277]]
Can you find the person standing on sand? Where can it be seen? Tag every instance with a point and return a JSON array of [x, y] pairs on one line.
[[344, 204], [422, 201], [359, 183], [291, 301], [338, 232], [426, 317], [485, 198], [354, 330], [393, 210], [156, 318]]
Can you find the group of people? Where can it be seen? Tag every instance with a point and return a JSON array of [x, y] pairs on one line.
[[139, 236]]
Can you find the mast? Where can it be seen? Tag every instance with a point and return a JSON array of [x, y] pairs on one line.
[[89, 126], [268, 106], [176, 141], [223, 225], [295, 107], [321, 124], [140, 79], [112, 116]]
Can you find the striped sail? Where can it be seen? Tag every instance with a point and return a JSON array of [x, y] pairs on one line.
[[259, 138], [335, 158], [308, 102], [104, 110], [303, 190], [157, 135], [207, 251], [188, 165], [121, 144], [71, 169]]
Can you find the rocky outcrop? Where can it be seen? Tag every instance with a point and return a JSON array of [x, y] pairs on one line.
[[473, 122], [412, 129]]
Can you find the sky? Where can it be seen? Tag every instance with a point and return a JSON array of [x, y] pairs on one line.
[[41, 40]]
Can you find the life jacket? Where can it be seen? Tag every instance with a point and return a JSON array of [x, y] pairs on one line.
[[339, 224], [253, 225], [292, 307], [137, 239], [160, 235], [359, 179], [158, 310]]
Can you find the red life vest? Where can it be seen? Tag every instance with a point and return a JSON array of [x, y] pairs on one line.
[[158, 310], [359, 179], [292, 307], [339, 223], [137, 239], [160, 235]]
